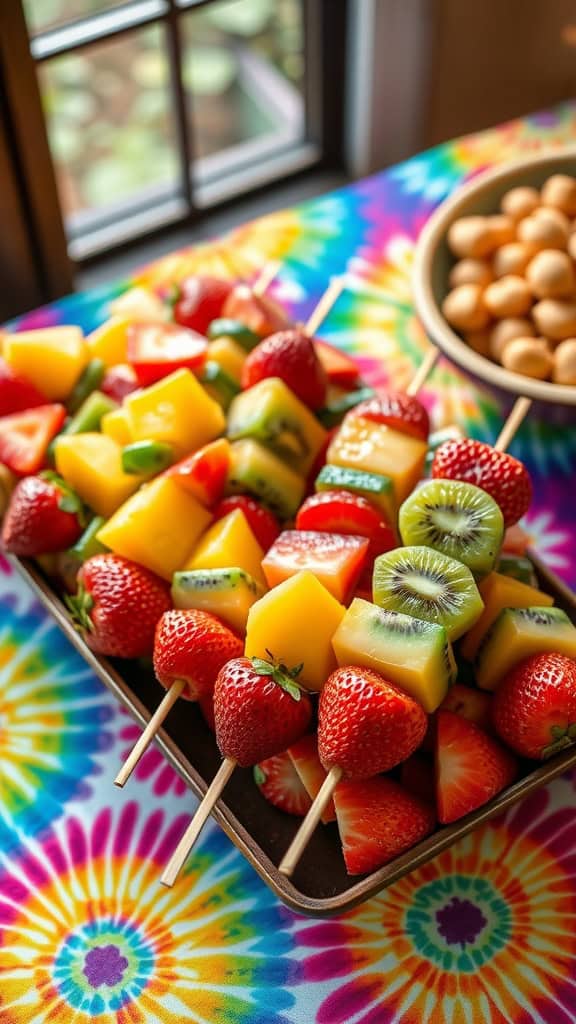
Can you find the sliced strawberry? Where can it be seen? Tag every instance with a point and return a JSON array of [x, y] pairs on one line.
[[475, 705], [25, 436], [377, 821], [417, 776], [471, 767], [199, 301], [339, 368], [261, 521], [259, 313], [347, 513], [304, 754], [155, 350], [397, 410], [502, 476], [16, 392], [204, 473], [278, 781]]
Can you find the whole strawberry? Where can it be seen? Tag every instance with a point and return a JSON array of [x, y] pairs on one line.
[[365, 725], [291, 356], [499, 474], [44, 516], [200, 301], [193, 645], [117, 606], [259, 710], [534, 707], [398, 410]]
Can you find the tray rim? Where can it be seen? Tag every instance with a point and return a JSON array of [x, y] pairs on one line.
[[299, 902]]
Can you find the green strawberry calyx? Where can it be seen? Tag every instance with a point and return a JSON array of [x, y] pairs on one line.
[[562, 737], [284, 677], [259, 775], [80, 605], [68, 500]]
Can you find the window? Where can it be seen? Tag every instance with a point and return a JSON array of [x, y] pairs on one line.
[[157, 110]]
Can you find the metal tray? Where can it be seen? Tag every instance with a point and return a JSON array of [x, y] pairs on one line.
[[320, 886]]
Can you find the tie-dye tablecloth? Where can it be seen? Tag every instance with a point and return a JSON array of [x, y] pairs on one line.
[[484, 933]]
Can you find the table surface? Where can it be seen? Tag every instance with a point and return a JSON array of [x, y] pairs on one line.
[[484, 933]]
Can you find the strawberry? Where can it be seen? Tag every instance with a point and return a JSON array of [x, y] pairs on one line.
[[397, 410], [259, 710], [304, 754], [475, 705], [44, 515], [16, 392], [417, 777], [259, 313], [204, 472], [340, 369], [534, 709], [279, 782], [347, 513], [261, 521], [499, 474], [199, 301], [365, 724], [117, 606], [119, 381], [193, 645], [471, 767], [25, 436], [291, 356], [155, 350], [377, 821]]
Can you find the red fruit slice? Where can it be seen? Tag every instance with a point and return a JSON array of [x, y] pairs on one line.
[[279, 782], [119, 381], [155, 350], [475, 705], [16, 392], [204, 473], [200, 301], [259, 313], [534, 709], [304, 755], [417, 776], [471, 767], [335, 559], [346, 513], [25, 436], [397, 410], [261, 521], [339, 368], [377, 821]]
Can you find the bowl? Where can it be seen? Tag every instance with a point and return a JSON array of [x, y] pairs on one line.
[[433, 260]]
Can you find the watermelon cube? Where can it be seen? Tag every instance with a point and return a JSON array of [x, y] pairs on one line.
[[335, 559]]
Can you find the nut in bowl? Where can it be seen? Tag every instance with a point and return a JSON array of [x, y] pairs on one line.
[[495, 277]]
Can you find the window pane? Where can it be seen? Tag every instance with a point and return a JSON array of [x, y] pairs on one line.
[[46, 14], [110, 123], [243, 72]]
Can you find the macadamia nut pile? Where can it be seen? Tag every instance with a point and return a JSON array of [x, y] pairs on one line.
[[513, 285]]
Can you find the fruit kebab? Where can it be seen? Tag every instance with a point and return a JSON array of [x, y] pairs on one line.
[[220, 534]]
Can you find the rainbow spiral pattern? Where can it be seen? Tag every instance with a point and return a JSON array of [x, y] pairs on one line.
[[484, 934]]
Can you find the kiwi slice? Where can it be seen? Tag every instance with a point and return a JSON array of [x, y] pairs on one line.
[[457, 519], [428, 585]]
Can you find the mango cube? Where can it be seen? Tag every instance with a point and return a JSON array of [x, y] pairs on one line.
[[52, 358], [157, 527], [296, 622], [176, 410], [229, 541], [376, 448], [116, 425], [92, 465], [229, 355], [518, 633], [500, 592], [108, 342]]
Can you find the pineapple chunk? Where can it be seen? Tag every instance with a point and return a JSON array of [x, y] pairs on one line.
[[229, 355], [229, 541], [516, 634], [116, 425], [176, 410], [51, 358], [157, 527], [92, 465], [108, 342], [295, 622], [140, 304], [376, 448], [500, 592]]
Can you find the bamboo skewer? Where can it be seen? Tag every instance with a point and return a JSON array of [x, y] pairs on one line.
[[304, 833], [519, 411], [265, 278], [328, 299], [141, 746], [424, 370]]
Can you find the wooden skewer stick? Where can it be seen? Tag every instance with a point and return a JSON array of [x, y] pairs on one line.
[[180, 855], [332, 293], [518, 412], [139, 748], [302, 837], [265, 278], [425, 368]]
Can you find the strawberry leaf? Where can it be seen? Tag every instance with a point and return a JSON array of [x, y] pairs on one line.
[[259, 775], [282, 676], [262, 667], [80, 605]]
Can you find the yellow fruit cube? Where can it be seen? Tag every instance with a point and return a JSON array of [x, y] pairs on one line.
[[229, 355], [500, 592], [140, 304], [518, 633], [108, 342], [177, 410], [157, 527], [295, 622], [116, 425], [376, 448], [92, 465], [229, 541], [52, 358]]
